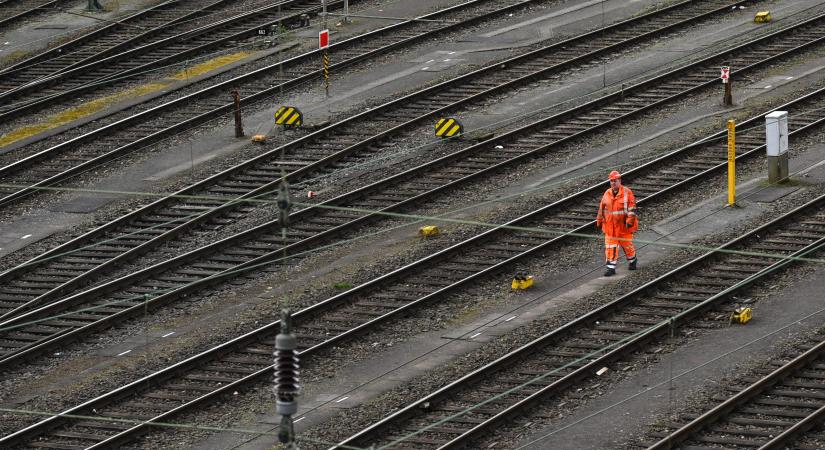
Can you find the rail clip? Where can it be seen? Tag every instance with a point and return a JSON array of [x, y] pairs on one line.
[[522, 281]]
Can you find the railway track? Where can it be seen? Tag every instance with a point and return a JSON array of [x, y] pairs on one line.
[[116, 300], [630, 321], [220, 198], [77, 155], [464, 410], [14, 10], [103, 41], [156, 38], [771, 411]]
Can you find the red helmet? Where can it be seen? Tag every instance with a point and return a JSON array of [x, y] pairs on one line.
[[615, 175]]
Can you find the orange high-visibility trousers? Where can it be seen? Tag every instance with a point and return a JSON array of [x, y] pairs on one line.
[[611, 248]]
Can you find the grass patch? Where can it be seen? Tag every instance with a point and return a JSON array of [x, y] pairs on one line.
[[209, 66], [342, 285], [94, 106]]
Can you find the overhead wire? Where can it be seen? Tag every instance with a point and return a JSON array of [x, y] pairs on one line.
[[653, 387], [166, 425], [666, 68], [254, 199], [457, 415], [420, 218], [586, 359]]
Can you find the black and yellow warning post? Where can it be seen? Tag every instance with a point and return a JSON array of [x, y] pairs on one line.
[[289, 117], [448, 127], [731, 162]]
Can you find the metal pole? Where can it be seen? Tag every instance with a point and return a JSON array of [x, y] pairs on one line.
[[731, 162], [728, 99], [604, 58], [346, 11], [280, 61], [326, 52], [238, 125]]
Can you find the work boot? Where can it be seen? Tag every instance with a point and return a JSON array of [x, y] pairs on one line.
[[632, 264], [610, 272]]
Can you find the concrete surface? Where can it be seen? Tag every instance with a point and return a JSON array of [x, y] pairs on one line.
[[415, 356]]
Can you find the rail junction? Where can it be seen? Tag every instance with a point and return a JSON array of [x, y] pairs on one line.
[[221, 232]]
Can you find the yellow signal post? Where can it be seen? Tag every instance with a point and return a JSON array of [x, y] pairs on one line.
[[731, 162]]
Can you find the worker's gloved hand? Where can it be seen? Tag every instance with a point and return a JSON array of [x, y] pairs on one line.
[[599, 224]]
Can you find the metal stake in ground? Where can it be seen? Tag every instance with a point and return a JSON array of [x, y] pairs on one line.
[[236, 98], [323, 43], [725, 76]]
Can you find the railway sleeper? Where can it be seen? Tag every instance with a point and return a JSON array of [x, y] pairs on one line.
[[234, 369], [625, 318], [401, 297], [783, 249], [724, 440], [524, 391], [757, 433], [9, 344], [166, 395], [189, 387], [23, 292], [418, 440], [127, 415], [325, 328], [437, 429], [721, 275], [77, 435], [759, 422], [346, 320], [375, 304], [811, 391], [212, 378], [532, 380], [763, 401], [104, 424], [22, 336], [460, 408], [693, 289], [675, 303], [642, 310]]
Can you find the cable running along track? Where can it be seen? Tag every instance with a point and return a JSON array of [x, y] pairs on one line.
[[216, 201], [233, 257], [158, 37], [557, 360], [80, 154], [772, 412]]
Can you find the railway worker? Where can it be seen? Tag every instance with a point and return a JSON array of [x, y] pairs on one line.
[[617, 219]]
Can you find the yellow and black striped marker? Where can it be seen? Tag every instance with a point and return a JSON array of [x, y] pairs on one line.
[[289, 117], [448, 127]]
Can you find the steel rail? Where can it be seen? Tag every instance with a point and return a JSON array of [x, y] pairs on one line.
[[745, 396], [143, 25], [310, 169], [95, 69], [190, 287], [394, 31], [5, 21], [111, 28], [267, 332], [592, 362]]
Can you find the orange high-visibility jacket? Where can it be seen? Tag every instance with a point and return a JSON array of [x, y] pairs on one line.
[[617, 211]]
